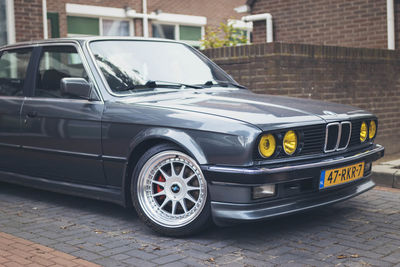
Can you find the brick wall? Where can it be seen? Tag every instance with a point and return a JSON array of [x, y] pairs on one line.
[[58, 6], [28, 20], [366, 78], [356, 23], [215, 11]]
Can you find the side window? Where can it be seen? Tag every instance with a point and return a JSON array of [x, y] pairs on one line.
[[13, 67], [56, 63]]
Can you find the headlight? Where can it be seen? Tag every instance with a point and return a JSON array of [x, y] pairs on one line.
[[290, 142], [267, 145], [363, 132], [372, 129]]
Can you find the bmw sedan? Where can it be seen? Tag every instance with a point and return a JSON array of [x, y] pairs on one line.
[[156, 125]]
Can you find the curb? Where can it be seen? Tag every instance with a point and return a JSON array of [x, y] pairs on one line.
[[387, 174]]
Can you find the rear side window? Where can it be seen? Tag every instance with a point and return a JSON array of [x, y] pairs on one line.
[[13, 67], [56, 63]]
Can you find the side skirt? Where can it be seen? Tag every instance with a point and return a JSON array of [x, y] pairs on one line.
[[109, 194]]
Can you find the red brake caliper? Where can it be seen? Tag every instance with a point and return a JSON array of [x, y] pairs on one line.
[[159, 188]]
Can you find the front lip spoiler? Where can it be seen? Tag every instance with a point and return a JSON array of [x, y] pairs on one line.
[[230, 213]]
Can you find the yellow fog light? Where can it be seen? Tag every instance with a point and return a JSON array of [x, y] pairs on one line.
[[290, 142], [267, 145], [363, 132], [372, 129]]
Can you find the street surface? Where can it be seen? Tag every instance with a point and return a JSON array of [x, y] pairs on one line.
[[364, 231]]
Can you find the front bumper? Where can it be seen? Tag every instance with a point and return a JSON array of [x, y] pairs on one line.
[[297, 187]]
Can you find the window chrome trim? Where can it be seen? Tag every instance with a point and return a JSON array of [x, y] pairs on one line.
[[339, 137]]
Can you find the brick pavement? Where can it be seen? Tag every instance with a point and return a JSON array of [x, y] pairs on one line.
[[18, 252], [364, 231]]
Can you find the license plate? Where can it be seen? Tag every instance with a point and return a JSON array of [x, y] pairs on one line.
[[341, 175]]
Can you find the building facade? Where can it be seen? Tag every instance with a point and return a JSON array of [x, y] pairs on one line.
[[354, 23], [185, 20]]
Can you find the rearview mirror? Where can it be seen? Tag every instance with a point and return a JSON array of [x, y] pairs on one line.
[[77, 87]]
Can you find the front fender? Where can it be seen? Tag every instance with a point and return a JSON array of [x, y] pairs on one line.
[[209, 139], [177, 136]]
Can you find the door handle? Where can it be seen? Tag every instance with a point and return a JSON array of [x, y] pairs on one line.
[[32, 114]]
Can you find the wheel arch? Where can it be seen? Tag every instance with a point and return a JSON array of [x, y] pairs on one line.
[[150, 138]]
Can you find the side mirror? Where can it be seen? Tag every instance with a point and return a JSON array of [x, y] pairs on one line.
[[77, 87]]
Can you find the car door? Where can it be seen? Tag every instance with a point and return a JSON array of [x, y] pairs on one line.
[[61, 133], [13, 82]]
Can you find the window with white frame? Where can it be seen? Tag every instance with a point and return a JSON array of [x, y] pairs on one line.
[[185, 33], [89, 26], [165, 31], [115, 27]]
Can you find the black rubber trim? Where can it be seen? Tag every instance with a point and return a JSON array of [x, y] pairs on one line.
[[110, 194]]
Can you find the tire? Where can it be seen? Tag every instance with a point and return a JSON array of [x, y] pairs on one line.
[[169, 192]]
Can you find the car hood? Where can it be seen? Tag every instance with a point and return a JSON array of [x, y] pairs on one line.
[[264, 111]]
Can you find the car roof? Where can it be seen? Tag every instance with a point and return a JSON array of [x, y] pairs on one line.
[[84, 39]]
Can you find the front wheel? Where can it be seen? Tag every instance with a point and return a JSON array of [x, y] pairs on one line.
[[169, 191]]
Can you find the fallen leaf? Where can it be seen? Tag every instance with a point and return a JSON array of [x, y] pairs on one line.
[[341, 256], [37, 250], [98, 231], [143, 247], [211, 260], [156, 248], [354, 256], [66, 226]]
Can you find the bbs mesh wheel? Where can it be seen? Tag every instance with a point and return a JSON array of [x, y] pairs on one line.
[[169, 191]]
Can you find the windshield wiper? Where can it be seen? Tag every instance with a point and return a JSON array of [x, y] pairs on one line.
[[150, 84], [223, 84], [166, 84]]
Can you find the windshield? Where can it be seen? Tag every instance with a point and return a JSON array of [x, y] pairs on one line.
[[127, 65]]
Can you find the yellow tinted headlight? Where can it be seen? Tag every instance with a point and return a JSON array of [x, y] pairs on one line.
[[267, 145], [372, 129], [363, 131], [290, 142]]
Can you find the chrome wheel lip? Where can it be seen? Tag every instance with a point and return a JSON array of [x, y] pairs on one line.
[[146, 198]]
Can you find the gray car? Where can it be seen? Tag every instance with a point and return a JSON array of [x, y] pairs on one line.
[[155, 124]]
